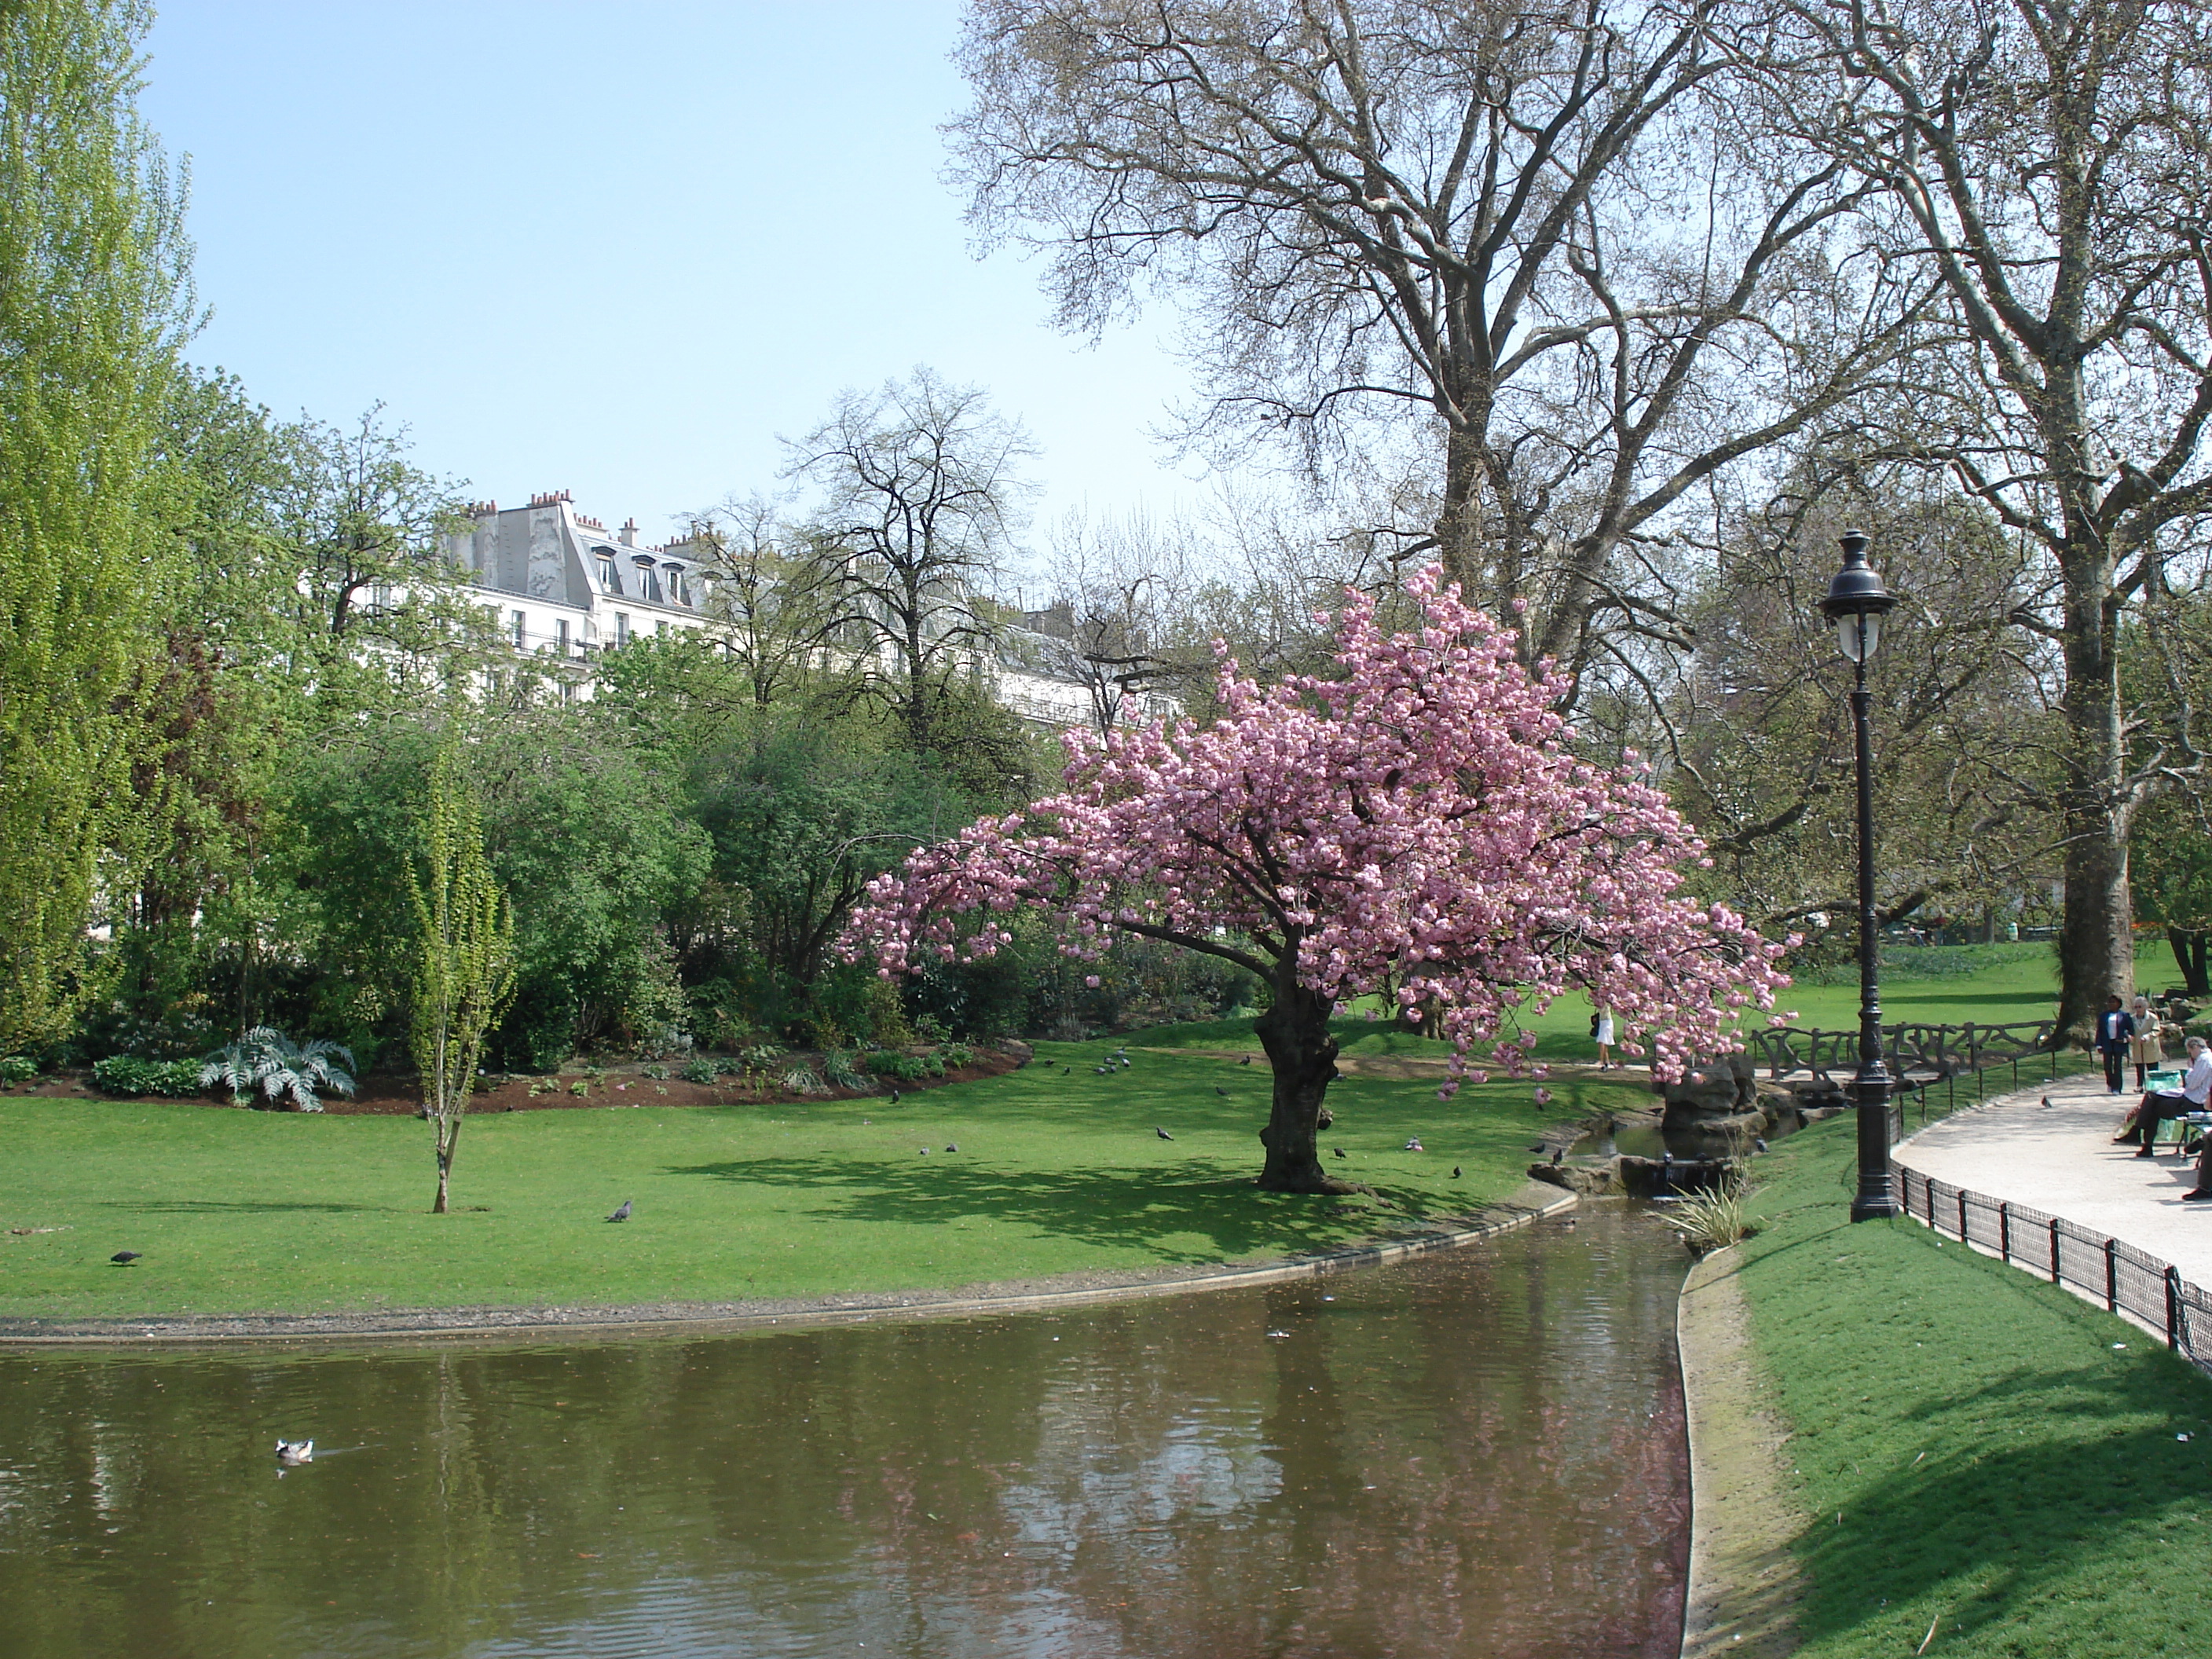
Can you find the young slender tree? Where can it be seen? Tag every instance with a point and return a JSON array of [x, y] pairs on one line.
[[466, 961], [93, 300], [1416, 820]]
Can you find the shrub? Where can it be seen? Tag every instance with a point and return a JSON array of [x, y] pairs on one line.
[[702, 1070], [283, 1069], [128, 1075], [17, 1068], [656, 1072], [801, 1080], [955, 1055], [904, 1068]]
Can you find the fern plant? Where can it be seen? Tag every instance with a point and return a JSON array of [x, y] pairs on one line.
[[265, 1059]]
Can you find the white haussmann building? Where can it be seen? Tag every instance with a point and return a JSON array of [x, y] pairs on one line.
[[565, 586]]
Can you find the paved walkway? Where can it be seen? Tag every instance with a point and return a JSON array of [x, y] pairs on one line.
[[2061, 1159]]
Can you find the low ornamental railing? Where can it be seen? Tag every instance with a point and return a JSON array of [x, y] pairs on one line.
[[2125, 1279], [1920, 1054]]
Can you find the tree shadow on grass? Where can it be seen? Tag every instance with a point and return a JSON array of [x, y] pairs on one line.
[[238, 1206], [1106, 1208], [1987, 1529]]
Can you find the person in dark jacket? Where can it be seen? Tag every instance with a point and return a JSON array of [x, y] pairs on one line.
[[2114, 1027]]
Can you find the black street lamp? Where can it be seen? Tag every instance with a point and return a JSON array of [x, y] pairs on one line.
[[1856, 602]]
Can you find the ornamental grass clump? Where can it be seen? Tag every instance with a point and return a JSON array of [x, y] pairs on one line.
[[1712, 1219]]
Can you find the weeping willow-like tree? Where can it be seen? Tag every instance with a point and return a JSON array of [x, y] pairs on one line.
[[465, 968], [94, 299]]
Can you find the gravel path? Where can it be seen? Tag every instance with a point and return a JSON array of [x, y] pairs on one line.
[[2061, 1159]]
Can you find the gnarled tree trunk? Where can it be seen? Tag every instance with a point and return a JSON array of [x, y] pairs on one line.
[[2190, 952], [1294, 1034]]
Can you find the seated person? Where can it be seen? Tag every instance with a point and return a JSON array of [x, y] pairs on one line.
[[2196, 1089]]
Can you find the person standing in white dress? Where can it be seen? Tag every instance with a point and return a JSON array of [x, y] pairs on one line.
[[1601, 1029]]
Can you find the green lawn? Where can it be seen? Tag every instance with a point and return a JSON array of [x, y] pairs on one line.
[[1971, 1444], [1057, 1171]]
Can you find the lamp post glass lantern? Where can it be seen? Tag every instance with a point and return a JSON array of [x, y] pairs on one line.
[[1855, 603]]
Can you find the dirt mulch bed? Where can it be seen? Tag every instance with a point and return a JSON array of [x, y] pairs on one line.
[[394, 1094]]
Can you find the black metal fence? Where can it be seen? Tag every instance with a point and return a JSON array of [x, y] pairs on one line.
[[2125, 1279]]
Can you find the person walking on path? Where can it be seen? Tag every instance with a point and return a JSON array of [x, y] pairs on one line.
[[2115, 1026], [2196, 1089], [1601, 1031], [2144, 1046]]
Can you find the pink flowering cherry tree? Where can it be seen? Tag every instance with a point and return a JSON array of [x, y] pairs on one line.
[[1415, 823]]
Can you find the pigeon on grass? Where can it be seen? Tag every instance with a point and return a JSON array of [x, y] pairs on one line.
[[1162, 1133], [124, 1258], [623, 1214]]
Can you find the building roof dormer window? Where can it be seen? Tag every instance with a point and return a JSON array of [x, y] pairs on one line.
[[604, 558], [649, 578]]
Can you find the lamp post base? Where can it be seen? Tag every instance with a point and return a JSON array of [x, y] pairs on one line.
[[1877, 1194]]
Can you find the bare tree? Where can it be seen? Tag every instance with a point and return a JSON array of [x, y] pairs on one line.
[[356, 514], [921, 495], [1535, 229], [2046, 161], [1755, 746], [1117, 586], [774, 610]]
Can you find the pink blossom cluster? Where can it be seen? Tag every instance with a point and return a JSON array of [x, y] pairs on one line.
[[1417, 822]]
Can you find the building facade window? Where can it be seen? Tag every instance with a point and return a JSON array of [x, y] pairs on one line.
[[606, 563], [560, 635], [521, 625], [621, 629]]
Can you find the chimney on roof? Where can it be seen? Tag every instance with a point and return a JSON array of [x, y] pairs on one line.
[[629, 533]]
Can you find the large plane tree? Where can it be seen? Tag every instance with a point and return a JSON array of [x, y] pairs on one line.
[[1415, 823]]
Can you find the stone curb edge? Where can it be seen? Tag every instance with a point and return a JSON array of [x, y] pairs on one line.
[[1741, 1580], [1532, 1203]]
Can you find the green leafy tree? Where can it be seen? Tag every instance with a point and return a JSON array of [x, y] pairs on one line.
[[93, 300], [464, 972]]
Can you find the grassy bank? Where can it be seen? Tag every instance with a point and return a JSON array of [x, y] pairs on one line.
[[1973, 1448], [1058, 1170]]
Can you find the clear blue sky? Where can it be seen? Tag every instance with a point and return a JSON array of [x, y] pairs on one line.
[[616, 248]]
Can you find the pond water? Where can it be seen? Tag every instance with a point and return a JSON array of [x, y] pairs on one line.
[[1474, 1454]]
